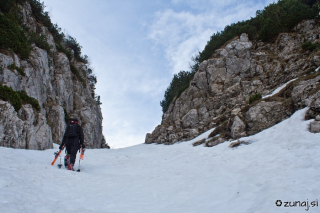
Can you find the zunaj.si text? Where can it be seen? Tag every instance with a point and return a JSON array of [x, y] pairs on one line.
[[305, 204]]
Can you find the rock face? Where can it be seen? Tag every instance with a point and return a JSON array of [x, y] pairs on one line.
[[25, 129], [240, 69], [49, 80]]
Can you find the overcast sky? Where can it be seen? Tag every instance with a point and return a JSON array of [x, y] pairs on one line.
[[135, 47]]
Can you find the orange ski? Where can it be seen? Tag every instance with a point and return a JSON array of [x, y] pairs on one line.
[[57, 155], [82, 154]]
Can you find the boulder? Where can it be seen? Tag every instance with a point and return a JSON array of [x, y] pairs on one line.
[[316, 60], [190, 120], [264, 115], [214, 141], [235, 144], [238, 128], [315, 126], [148, 139], [303, 93]]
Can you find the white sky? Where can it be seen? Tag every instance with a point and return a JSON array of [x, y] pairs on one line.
[[135, 47]]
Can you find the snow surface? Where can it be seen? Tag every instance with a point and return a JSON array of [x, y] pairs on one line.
[[280, 163], [279, 89]]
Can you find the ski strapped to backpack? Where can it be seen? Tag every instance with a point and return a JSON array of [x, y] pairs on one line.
[[57, 154]]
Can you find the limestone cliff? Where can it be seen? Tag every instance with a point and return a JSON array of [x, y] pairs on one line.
[[219, 93], [48, 79]]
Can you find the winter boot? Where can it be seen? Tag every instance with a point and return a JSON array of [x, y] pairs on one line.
[[70, 167], [66, 160]]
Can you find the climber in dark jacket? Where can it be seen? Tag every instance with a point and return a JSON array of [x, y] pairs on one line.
[[73, 140]]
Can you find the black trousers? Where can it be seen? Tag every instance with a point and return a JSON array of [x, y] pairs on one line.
[[72, 150]]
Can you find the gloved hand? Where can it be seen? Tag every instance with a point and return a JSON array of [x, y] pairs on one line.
[[83, 146], [61, 147]]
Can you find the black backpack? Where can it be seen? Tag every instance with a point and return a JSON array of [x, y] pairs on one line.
[[72, 130]]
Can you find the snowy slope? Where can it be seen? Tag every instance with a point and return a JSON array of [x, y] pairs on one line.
[[280, 163]]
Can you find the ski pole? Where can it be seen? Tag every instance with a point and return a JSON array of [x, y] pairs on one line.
[[60, 164], [79, 166], [81, 157]]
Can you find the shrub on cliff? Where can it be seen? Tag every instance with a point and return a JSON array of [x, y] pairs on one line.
[[75, 46], [268, 23], [43, 17], [8, 94], [59, 37], [13, 37], [17, 98], [66, 115], [76, 72], [274, 19], [282, 17], [40, 41], [179, 83], [19, 70], [61, 48], [6, 5], [29, 100], [309, 46], [254, 98]]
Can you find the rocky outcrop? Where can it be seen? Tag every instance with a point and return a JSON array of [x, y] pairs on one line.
[[48, 79], [219, 93], [264, 115], [26, 129]]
